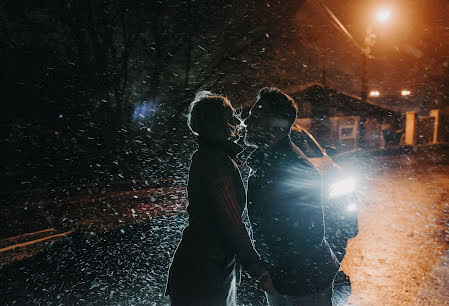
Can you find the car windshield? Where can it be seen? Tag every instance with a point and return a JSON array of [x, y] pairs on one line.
[[306, 144]]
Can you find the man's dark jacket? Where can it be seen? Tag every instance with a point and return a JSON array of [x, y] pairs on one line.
[[286, 214]]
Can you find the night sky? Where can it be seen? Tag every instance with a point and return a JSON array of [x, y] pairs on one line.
[[411, 49]]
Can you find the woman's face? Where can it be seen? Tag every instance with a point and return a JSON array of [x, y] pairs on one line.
[[256, 126], [231, 126]]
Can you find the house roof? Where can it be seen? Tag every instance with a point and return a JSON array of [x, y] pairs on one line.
[[327, 102]]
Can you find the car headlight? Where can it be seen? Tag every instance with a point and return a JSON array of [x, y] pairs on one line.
[[342, 187], [351, 207]]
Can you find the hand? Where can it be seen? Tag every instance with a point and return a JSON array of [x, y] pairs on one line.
[[267, 284]]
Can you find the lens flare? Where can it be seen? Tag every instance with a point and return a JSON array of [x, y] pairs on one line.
[[342, 187], [144, 110], [383, 15], [351, 207]]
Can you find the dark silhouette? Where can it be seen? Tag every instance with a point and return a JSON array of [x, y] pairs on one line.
[[206, 264], [285, 206]]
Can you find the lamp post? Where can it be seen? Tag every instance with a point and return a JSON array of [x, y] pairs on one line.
[[382, 16]]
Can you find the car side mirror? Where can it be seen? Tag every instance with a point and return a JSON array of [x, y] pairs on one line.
[[330, 150]]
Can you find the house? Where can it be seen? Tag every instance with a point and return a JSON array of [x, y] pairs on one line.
[[341, 120]]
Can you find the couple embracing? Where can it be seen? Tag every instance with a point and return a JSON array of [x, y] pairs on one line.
[[288, 260]]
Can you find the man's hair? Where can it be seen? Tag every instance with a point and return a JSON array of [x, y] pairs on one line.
[[276, 103], [208, 114]]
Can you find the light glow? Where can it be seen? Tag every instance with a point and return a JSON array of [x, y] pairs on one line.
[[383, 15], [144, 110], [374, 93], [405, 92], [342, 187], [351, 207]]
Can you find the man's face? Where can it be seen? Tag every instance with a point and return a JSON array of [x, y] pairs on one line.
[[264, 128]]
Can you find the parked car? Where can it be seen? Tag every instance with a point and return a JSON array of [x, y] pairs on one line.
[[339, 192]]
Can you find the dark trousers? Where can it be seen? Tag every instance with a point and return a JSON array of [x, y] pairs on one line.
[[191, 291], [322, 298]]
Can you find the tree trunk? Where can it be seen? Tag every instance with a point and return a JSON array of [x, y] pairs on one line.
[[188, 47], [157, 68]]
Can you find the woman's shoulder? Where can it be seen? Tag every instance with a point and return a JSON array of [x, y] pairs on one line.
[[218, 163]]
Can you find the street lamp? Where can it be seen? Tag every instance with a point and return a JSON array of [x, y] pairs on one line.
[[383, 15]]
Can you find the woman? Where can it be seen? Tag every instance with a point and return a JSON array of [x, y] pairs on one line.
[[204, 268]]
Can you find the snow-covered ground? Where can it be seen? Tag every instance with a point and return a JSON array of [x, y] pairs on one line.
[[398, 258]]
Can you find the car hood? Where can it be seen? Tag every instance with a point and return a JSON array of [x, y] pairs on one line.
[[325, 165]]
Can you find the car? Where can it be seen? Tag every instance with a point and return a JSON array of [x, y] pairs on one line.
[[338, 183], [339, 194]]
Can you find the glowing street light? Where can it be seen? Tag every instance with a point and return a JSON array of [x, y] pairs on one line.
[[405, 92], [374, 93], [383, 15]]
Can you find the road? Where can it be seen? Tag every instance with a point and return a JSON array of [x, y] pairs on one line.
[[398, 258], [403, 238]]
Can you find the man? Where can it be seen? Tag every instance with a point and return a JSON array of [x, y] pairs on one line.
[[285, 207]]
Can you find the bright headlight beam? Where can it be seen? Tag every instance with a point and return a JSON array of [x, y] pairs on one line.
[[351, 207], [342, 187]]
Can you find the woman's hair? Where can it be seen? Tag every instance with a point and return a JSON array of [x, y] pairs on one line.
[[209, 114]]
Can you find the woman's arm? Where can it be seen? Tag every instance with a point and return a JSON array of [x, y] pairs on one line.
[[227, 214], [234, 233]]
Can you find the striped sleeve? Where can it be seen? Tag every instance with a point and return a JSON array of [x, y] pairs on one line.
[[232, 231], [226, 199]]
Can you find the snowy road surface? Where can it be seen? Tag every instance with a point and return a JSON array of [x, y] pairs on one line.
[[398, 258]]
